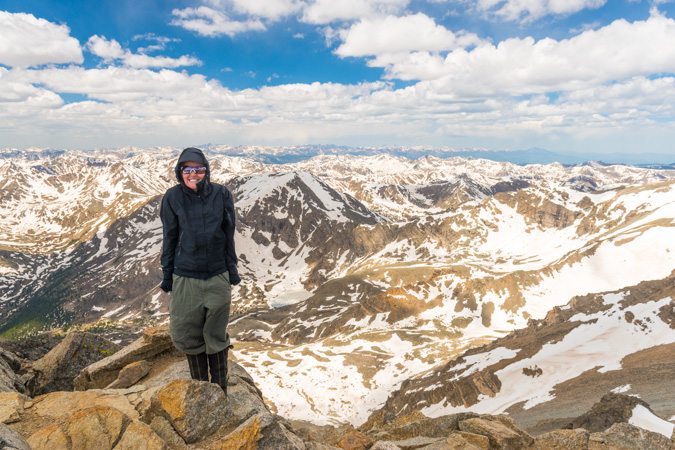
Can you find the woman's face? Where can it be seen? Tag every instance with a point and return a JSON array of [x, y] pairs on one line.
[[193, 177]]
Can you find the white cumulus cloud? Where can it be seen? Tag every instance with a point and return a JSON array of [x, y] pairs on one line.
[[327, 11], [268, 9], [126, 103], [28, 41], [528, 10], [211, 22], [111, 51], [395, 35], [523, 65]]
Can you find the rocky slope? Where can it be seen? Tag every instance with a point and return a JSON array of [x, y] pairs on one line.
[[559, 366], [151, 403]]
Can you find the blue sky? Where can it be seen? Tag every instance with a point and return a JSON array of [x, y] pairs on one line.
[[569, 76]]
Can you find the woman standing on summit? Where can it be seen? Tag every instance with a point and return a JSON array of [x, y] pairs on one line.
[[199, 265]]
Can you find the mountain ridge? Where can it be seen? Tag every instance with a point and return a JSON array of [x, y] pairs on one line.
[[298, 153], [358, 272]]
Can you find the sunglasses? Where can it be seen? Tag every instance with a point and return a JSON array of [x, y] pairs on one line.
[[199, 170]]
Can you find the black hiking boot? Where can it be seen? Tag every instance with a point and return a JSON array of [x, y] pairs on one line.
[[199, 367], [218, 368]]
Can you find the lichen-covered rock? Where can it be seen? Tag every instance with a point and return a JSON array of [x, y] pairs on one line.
[[500, 435], [57, 370], [100, 428], [12, 406], [624, 436], [352, 439], [260, 432], [477, 440], [344, 436], [455, 442], [140, 436], [563, 440], [10, 439], [60, 405], [163, 428], [245, 400], [195, 409], [319, 446], [103, 372], [418, 425], [130, 375], [385, 445], [416, 442]]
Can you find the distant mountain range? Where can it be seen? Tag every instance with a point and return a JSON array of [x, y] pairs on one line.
[[294, 154], [361, 274]]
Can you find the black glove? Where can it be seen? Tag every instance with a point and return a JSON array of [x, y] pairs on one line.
[[234, 278], [167, 284]]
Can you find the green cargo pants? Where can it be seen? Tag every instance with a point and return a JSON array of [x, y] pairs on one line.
[[199, 314]]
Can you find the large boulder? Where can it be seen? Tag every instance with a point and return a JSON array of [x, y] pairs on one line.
[[130, 375], [98, 427], [28, 416], [502, 432], [57, 369], [105, 371], [195, 409]]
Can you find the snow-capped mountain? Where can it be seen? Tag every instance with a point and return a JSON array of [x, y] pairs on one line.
[[359, 272]]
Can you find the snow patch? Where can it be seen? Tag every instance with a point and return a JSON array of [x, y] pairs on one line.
[[621, 389], [644, 418]]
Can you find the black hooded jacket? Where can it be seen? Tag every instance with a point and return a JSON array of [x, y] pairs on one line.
[[198, 226]]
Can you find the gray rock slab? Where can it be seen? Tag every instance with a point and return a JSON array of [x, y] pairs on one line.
[[10, 439], [130, 375], [103, 372]]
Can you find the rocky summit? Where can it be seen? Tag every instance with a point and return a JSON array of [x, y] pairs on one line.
[[141, 397]]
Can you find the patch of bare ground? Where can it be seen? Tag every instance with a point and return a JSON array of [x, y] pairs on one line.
[[650, 374]]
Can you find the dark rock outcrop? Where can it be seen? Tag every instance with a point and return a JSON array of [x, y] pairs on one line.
[[611, 409], [57, 369], [9, 380], [30, 349]]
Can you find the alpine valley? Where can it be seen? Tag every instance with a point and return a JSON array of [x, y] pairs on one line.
[[373, 285]]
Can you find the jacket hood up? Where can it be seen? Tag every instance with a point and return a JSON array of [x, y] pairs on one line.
[[196, 155]]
